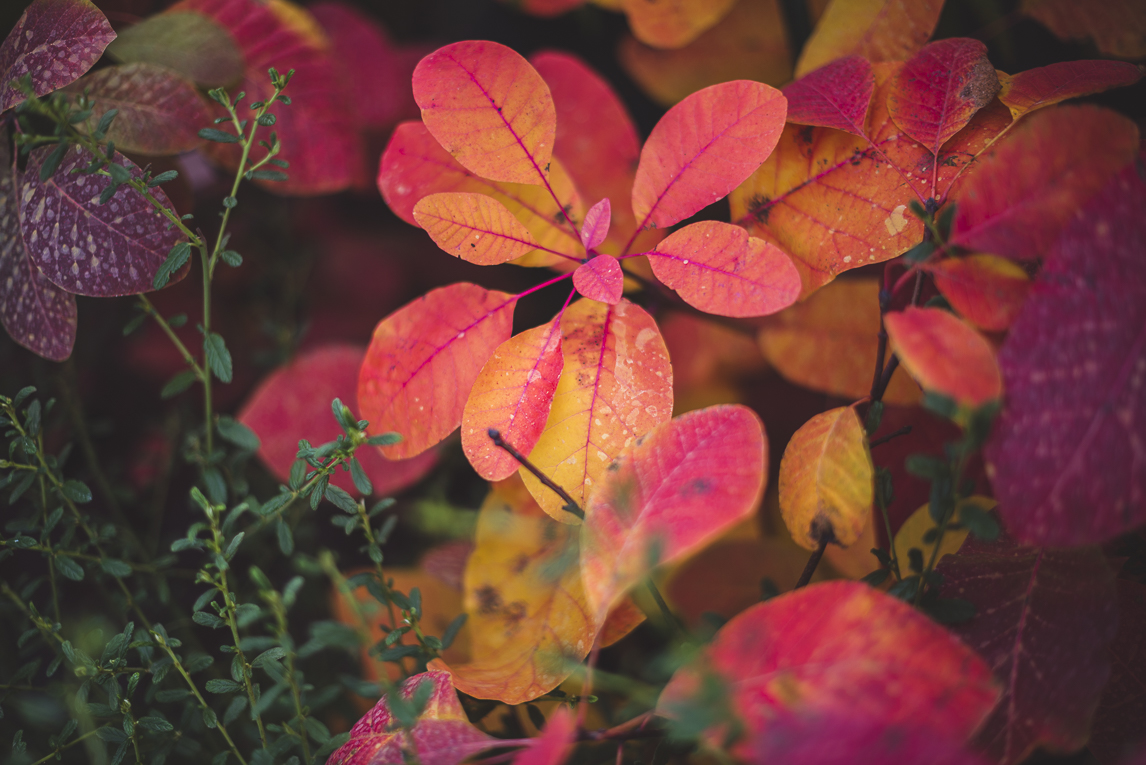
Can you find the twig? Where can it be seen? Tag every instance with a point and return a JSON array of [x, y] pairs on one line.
[[825, 535], [571, 505], [894, 434]]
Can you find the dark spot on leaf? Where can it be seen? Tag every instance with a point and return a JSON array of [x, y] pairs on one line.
[[489, 600], [697, 487]]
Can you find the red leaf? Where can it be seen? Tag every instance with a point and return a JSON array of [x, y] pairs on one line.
[[159, 112], [36, 313], [85, 247], [838, 650], [719, 268], [1035, 88], [986, 290], [489, 108], [595, 227], [674, 490], [317, 131], [703, 148], [423, 360], [442, 736], [600, 279], [940, 88], [55, 41], [945, 355], [1064, 454], [512, 394], [836, 95], [555, 743], [1122, 708], [1044, 620], [293, 402], [1025, 192], [473, 227], [878, 30], [1118, 27]]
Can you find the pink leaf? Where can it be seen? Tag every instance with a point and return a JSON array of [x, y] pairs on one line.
[[55, 42], [473, 227], [719, 268], [423, 360], [601, 279], [836, 95], [85, 247], [555, 743], [1046, 85], [703, 148], [596, 225]]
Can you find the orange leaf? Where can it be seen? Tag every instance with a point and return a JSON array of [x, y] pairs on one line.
[[473, 227], [423, 360], [1035, 88], [1118, 27], [600, 279], [945, 355], [669, 494], [750, 43], [878, 30], [512, 394], [827, 479], [718, 268], [837, 651], [616, 386], [529, 622], [837, 95], [489, 108], [673, 23], [828, 343], [986, 290], [1025, 191], [703, 148]]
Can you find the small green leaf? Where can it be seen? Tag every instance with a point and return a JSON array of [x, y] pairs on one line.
[[361, 481], [70, 568], [208, 619], [218, 357], [341, 499], [176, 259], [178, 384], [105, 123], [163, 177], [115, 568], [384, 439], [222, 685], [48, 169], [216, 135], [268, 175], [77, 491], [238, 434], [157, 724]]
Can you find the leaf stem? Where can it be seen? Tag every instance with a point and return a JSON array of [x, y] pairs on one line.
[[824, 535], [571, 505]]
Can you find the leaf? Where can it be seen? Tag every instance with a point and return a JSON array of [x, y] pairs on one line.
[[441, 736], [749, 43], [915, 529], [414, 165], [512, 394], [293, 402], [595, 227], [489, 108], [878, 30], [1117, 27], [36, 313], [837, 95], [600, 279], [1062, 455], [1032, 185], [720, 269], [945, 355], [703, 148], [192, 45], [88, 248], [54, 42], [1044, 622], [218, 357], [673, 23], [940, 88], [1117, 721], [857, 655], [671, 492], [158, 112], [423, 360], [1046, 85], [317, 131], [828, 343], [529, 622], [615, 386], [473, 227], [826, 479], [555, 743], [986, 290]]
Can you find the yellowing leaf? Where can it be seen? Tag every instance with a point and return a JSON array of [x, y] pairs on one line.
[[919, 523], [473, 227], [673, 23], [826, 479], [878, 30], [616, 385]]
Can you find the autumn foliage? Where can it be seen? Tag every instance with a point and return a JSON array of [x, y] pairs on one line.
[[802, 424]]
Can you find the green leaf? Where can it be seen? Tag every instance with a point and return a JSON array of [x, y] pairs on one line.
[[218, 136], [70, 568], [285, 537], [105, 123], [176, 259], [979, 522], [208, 619], [173, 694], [157, 724], [231, 258], [48, 169], [341, 499], [238, 434], [384, 439], [115, 568], [178, 384], [163, 177], [361, 481], [221, 685], [218, 357], [272, 654], [268, 175], [77, 491], [452, 630]]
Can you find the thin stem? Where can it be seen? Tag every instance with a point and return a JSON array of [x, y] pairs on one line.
[[150, 309], [824, 536], [894, 434], [571, 505], [672, 619], [55, 752]]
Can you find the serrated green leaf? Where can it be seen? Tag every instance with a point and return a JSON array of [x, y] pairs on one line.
[[218, 357], [238, 434]]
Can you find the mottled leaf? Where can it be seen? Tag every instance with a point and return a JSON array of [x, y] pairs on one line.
[[100, 250], [1044, 621], [668, 494], [512, 394], [423, 360], [473, 227], [188, 43], [878, 30], [826, 479], [837, 95], [600, 279], [919, 525], [986, 290], [719, 268], [1117, 27], [673, 23], [54, 42], [945, 355], [1064, 456], [1035, 88], [703, 148], [616, 385]]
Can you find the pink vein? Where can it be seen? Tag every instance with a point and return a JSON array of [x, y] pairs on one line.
[[501, 235]]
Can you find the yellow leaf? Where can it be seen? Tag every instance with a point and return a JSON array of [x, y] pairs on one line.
[[913, 530]]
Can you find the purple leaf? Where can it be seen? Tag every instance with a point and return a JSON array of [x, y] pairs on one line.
[[85, 247], [37, 314], [55, 41]]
